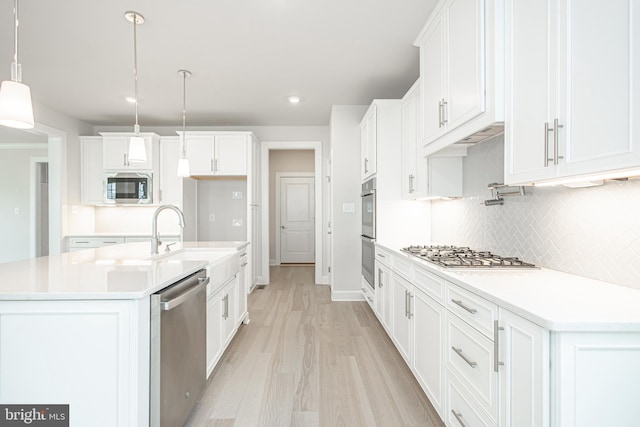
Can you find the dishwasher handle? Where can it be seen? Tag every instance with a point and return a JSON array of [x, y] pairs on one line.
[[174, 302]]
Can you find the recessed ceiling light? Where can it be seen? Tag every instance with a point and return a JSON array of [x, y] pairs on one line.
[[130, 99], [294, 99]]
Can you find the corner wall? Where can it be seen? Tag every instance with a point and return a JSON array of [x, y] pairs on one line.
[[346, 186]]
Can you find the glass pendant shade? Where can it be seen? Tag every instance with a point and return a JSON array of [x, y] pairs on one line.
[[137, 150], [16, 110], [183, 168]]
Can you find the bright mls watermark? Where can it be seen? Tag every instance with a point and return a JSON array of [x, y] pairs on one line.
[[34, 415]]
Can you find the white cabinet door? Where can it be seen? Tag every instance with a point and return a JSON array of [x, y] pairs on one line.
[[594, 371], [230, 314], [432, 73], [530, 89], [368, 142], [215, 307], [116, 153], [402, 316], [555, 62], [523, 349], [465, 83], [414, 166], [200, 154], [91, 181], [230, 155], [243, 288], [170, 182], [428, 346], [383, 295], [600, 132]]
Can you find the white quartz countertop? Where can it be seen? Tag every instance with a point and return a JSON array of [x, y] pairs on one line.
[[126, 271], [554, 300]]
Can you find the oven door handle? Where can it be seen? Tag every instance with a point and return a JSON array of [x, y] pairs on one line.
[[370, 193], [367, 238]]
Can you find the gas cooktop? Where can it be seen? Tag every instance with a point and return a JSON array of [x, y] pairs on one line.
[[464, 257]]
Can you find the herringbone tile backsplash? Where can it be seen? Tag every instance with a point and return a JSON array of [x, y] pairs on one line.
[[592, 232]]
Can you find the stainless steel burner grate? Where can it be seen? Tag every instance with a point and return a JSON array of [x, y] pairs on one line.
[[464, 257]]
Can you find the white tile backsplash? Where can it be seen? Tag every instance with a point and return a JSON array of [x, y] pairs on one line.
[[592, 232]]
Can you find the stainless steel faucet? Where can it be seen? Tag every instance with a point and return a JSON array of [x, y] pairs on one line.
[[155, 239]]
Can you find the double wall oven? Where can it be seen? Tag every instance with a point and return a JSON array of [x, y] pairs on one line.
[[368, 236]]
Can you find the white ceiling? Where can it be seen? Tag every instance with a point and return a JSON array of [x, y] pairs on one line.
[[246, 56]]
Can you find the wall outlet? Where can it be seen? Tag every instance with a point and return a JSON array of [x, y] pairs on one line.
[[237, 223], [236, 195], [348, 208], [16, 211], [212, 217], [74, 209]]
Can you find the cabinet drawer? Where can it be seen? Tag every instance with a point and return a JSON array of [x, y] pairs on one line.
[[367, 293], [462, 411], [384, 256], [476, 310], [402, 266], [93, 242], [469, 358], [429, 283]]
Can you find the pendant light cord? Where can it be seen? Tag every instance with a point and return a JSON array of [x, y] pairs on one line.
[[16, 72], [184, 113], [135, 66]]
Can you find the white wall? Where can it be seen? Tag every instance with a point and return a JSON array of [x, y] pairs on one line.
[[592, 232], [346, 186], [15, 195], [284, 161], [215, 198]]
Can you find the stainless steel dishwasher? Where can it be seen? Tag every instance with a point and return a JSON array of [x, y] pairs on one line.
[[178, 350]]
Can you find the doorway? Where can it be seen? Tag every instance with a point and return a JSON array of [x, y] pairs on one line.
[[295, 218], [268, 228]]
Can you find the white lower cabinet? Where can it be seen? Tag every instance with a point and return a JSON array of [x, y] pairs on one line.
[[428, 346], [482, 365], [223, 318], [402, 322], [383, 294], [523, 350]]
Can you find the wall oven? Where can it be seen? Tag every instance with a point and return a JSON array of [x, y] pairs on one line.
[[368, 236], [128, 188]]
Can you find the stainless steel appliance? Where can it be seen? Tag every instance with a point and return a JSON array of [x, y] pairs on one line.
[[464, 257], [368, 197], [128, 188], [178, 350]]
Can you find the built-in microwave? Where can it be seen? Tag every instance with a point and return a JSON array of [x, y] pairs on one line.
[[128, 188]]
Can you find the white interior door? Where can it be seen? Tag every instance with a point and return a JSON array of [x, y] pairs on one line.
[[297, 221]]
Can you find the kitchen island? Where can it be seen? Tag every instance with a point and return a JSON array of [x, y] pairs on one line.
[[75, 328]]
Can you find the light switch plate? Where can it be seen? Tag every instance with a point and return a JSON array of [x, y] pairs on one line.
[[348, 208], [212, 217], [236, 195]]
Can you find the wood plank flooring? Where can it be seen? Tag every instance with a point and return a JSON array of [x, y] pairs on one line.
[[306, 361]]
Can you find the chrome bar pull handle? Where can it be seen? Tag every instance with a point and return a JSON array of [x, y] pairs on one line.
[[556, 127], [379, 278], [440, 124], [461, 304], [445, 118], [411, 181], [496, 348], [410, 315], [366, 164], [546, 144], [406, 304], [215, 165], [458, 416], [464, 357], [211, 166]]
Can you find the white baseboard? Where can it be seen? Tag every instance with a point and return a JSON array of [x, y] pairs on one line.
[[347, 296]]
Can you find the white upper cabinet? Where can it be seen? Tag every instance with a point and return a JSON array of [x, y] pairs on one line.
[[461, 67], [368, 142], [116, 151], [217, 154], [424, 177], [572, 103]]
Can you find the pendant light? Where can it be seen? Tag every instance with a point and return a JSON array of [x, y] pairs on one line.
[[16, 110], [137, 149], [183, 163]]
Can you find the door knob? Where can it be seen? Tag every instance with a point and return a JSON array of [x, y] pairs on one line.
[[283, 227]]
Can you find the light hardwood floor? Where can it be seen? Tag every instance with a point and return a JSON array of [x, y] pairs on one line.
[[306, 361]]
